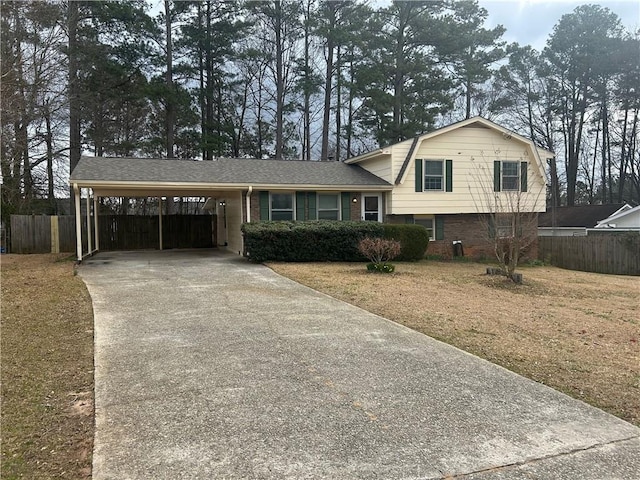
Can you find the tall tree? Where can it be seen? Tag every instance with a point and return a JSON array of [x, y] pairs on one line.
[[469, 49], [278, 25], [575, 50], [403, 84]]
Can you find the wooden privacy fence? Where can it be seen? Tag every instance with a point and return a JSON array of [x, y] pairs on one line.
[[45, 234], [134, 232], [601, 253]]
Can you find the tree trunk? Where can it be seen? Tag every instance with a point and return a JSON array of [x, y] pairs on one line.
[[306, 128], [279, 82], [328, 83], [338, 104], [48, 138], [74, 101], [170, 117]]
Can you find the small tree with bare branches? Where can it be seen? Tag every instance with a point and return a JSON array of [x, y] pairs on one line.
[[379, 251], [506, 204]]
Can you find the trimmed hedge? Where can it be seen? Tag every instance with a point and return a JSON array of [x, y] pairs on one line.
[[308, 241], [414, 240], [327, 240]]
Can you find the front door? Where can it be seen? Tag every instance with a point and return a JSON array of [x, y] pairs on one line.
[[372, 207]]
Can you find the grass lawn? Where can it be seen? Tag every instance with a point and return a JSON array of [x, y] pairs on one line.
[[47, 369], [577, 332]]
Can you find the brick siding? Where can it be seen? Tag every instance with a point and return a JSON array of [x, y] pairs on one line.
[[476, 243], [470, 230]]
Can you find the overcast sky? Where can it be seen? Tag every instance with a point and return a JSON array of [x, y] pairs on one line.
[[530, 22]]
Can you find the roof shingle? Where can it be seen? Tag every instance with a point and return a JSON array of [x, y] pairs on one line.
[[223, 171]]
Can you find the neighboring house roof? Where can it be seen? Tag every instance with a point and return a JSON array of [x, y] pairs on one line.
[[586, 216], [626, 212], [223, 172], [475, 121]]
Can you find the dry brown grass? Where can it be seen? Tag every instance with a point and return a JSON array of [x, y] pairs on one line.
[[574, 331], [47, 369]]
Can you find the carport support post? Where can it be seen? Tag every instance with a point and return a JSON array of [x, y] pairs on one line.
[[89, 221], [160, 220], [95, 220], [78, 224]]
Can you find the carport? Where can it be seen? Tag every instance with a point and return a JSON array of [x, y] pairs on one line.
[[240, 189], [95, 178]]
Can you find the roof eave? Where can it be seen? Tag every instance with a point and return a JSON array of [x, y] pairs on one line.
[[101, 185]]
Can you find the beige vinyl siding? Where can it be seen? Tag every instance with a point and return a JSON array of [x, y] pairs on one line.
[[399, 153], [472, 151], [234, 221], [379, 166]]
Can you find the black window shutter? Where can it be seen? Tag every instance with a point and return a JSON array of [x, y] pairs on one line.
[[346, 206], [439, 227], [419, 179], [264, 205], [449, 175], [300, 207], [311, 197], [523, 176], [496, 176]]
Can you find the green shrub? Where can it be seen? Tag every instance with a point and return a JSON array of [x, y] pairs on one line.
[[308, 241], [381, 267], [414, 240]]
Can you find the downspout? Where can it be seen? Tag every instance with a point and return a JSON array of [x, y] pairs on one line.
[[248, 201]]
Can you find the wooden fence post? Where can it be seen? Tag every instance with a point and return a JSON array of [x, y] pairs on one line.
[[55, 235]]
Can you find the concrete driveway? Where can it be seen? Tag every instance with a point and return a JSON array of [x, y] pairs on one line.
[[210, 367]]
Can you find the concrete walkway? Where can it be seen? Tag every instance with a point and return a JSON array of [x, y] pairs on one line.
[[210, 367]]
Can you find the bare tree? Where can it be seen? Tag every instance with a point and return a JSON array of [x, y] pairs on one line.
[[506, 202]]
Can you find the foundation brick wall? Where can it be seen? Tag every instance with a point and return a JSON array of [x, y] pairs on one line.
[[470, 230], [255, 206], [476, 243], [356, 207]]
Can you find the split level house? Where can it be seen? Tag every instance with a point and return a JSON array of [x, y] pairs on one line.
[[446, 180]]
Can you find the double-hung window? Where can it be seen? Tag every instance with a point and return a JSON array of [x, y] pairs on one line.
[[328, 206], [426, 223], [503, 226], [510, 176], [281, 206], [433, 175]]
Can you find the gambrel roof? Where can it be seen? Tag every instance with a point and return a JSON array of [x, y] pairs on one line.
[[537, 152]]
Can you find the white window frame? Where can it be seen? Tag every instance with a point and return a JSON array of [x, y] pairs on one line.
[[431, 229], [363, 203], [292, 209], [337, 209], [503, 226], [441, 176], [503, 176]]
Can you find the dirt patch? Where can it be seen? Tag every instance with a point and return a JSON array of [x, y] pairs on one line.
[[47, 369], [577, 332]]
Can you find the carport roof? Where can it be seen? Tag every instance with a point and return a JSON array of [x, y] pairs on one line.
[[220, 173]]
